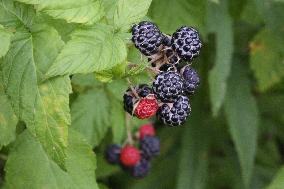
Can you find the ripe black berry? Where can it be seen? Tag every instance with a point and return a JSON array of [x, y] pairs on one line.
[[174, 114], [186, 42], [168, 86], [150, 146], [191, 79], [141, 169], [112, 154], [147, 37]]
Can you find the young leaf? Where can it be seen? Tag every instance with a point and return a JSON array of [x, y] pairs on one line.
[[242, 114], [220, 22], [266, 59], [28, 166], [170, 15], [43, 107], [89, 50], [5, 37], [8, 119], [84, 11], [90, 115], [123, 13]]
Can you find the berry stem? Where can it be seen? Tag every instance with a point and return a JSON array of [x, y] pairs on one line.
[[132, 88], [128, 130]]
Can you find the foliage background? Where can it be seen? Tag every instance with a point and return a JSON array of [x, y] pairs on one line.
[[234, 138]]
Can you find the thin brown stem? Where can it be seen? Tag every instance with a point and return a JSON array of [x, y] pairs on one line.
[[128, 129], [132, 88]]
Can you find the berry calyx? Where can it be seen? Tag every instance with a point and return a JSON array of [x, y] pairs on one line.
[[168, 86], [186, 43], [150, 146], [146, 107], [112, 154], [147, 37], [146, 130], [176, 113], [129, 156]]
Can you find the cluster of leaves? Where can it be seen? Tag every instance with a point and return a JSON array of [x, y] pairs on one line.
[[50, 122]]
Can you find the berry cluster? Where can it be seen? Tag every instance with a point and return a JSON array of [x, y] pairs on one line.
[[136, 160], [175, 80]]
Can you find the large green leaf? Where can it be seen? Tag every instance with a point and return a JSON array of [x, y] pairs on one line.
[[242, 114], [90, 115], [123, 13], [8, 119], [220, 22], [278, 181], [83, 11], [89, 50], [28, 166], [266, 59], [43, 107], [170, 15], [5, 37]]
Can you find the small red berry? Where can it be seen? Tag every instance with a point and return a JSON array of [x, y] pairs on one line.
[[146, 107], [130, 156], [146, 130]]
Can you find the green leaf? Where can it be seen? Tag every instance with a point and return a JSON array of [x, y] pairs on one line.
[[89, 50], [28, 166], [242, 114], [15, 15], [90, 115], [43, 107], [170, 15], [266, 59], [193, 164], [84, 11], [220, 22], [8, 119], [123, 13], [278, 181], [81, 162], [5, 37]]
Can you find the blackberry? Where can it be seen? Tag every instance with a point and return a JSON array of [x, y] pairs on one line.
[[168, 86], [112, 154], [150, 146], [186, 43], [167, 41], [141, 169], [129, 99], [147, 37], [175, 114], [191, 79]]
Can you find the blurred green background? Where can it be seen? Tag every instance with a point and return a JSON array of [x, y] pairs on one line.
[[234, 138]]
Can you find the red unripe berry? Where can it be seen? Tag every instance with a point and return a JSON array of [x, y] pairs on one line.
[[146, 130], [146, 107], [129, 156]]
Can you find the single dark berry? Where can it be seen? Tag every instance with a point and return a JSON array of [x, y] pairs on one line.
[[146, 107], [176, 113], [129, 156], [191, 79], [168, 86], [150, 146], [141, 169], [112, 154], [147, 37], [186, 43], [146, 130], [129, 98]]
